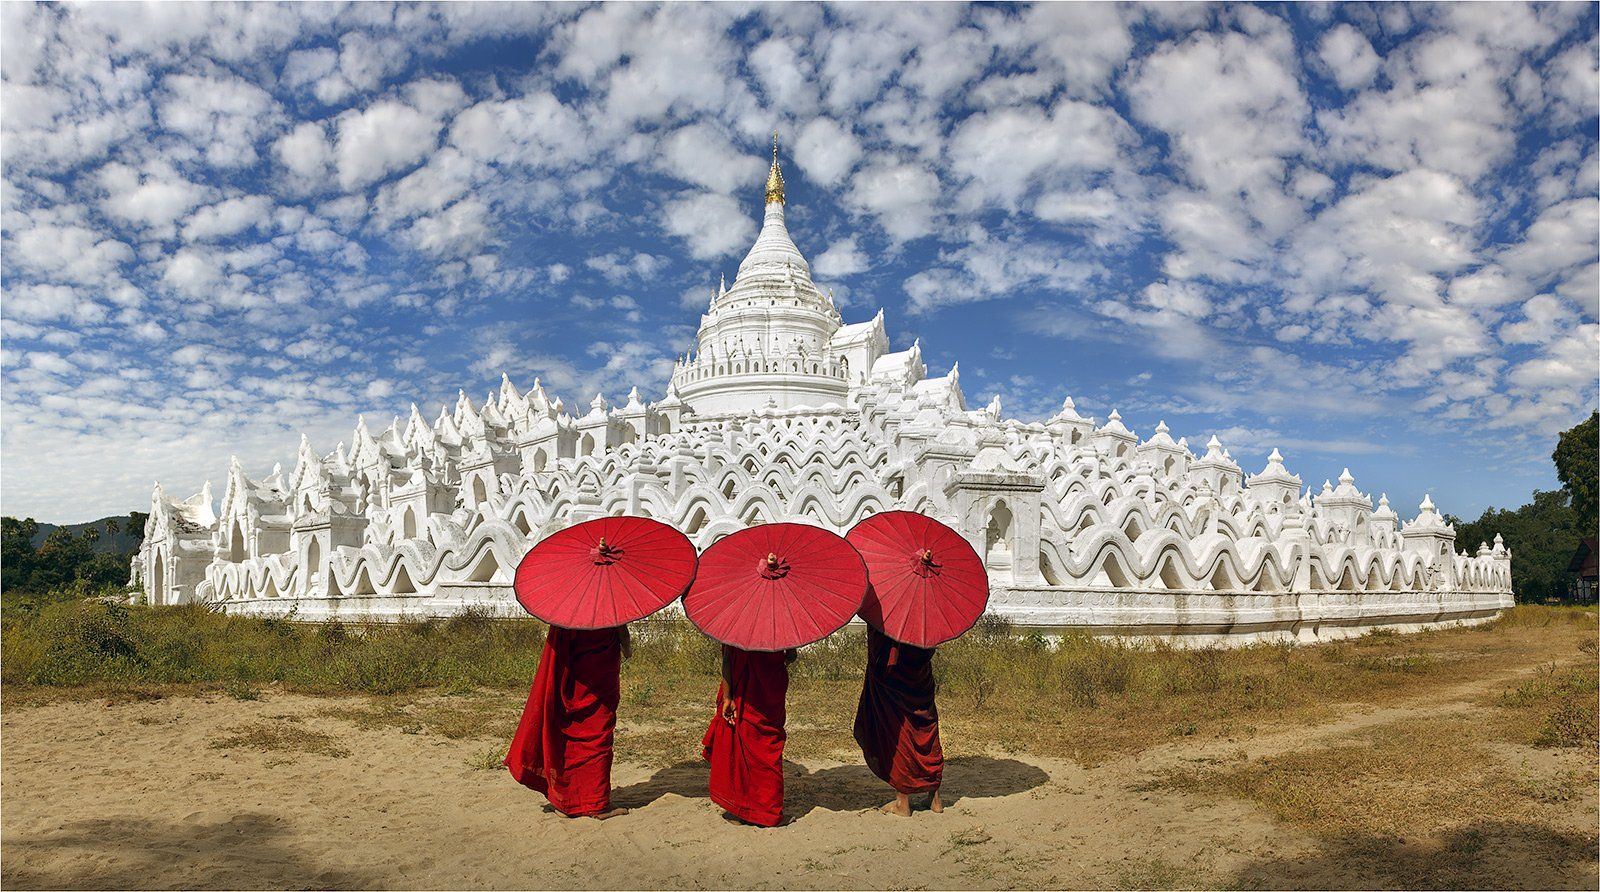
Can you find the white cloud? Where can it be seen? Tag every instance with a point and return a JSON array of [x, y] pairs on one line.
[[713, 225], [227, 218], [153, 199], [66, 253], [988, 267], [226, 116], [1348, 54], [900, 196], [1007, 154], [704, 156], [826, 150], [383, 138], [305, 151], [843, 258]]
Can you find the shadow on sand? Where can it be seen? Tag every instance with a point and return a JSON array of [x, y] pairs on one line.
[[245, 851], [1491, 855], [845, 787]]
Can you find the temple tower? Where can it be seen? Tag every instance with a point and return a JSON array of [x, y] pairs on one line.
[[765, 340]]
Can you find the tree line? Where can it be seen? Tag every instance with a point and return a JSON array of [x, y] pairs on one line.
[[1543, 534], [64, 559]]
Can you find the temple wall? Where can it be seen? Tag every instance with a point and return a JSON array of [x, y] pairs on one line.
[[1185, 619]]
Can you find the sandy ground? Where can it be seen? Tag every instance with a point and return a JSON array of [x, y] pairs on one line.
[[135, 795]]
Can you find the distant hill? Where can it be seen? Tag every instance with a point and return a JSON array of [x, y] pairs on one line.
[[123, 541]]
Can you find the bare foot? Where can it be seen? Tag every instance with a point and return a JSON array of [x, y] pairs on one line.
[[935, 804], [615, 812], [900, 806]]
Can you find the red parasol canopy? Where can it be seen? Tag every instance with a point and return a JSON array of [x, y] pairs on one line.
[[928, 585], [605, 572], [776, 586]]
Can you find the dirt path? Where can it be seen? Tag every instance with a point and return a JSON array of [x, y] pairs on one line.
[[139, 795]]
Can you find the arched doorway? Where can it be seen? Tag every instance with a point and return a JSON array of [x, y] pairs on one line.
[[997, 537], [313, 564], [236, 549], [158, 580]]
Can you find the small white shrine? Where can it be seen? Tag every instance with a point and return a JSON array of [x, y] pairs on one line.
[[785, 413]]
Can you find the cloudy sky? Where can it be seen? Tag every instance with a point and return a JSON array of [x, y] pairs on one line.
[[1366, 235]]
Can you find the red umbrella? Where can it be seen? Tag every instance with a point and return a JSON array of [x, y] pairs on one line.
[[776, 586], [605, 572], [928, 585]]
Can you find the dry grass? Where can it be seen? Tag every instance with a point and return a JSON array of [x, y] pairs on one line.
[[488, 759], [1413, 777], [1078, 697], [1466, 798], [284, 735], [1556, 707]]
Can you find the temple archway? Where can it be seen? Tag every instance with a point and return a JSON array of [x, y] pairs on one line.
[[158, 581], [997, 534], [236, 549], [313, 564]]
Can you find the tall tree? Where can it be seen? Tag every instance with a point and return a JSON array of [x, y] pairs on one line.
[[1541, 535], [17, 555], [1577, 458]]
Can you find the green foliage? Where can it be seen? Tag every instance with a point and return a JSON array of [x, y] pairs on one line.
[[63, 559], [1577, 459], [1541, 535]]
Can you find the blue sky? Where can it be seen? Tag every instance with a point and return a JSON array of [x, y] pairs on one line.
[[1363, 234]]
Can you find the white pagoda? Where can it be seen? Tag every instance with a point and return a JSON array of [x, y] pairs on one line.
[[785, 413]]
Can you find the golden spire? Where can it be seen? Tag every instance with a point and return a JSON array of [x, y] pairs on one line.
[[775, 175]]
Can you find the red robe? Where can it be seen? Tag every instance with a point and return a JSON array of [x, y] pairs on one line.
[[746, 754], [897, 723], [562, 747]]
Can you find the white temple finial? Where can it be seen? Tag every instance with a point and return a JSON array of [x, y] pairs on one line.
[[1161, 426], [1276, 457], [1427, 504], [1345, 479]]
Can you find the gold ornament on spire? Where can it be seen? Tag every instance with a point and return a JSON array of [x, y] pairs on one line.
[[775, 175]]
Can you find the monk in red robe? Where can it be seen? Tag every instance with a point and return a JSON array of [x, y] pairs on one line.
[[897, 723], [562, 747], [745, 741]]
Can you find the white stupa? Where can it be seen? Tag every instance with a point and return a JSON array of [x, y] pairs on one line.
[[785, 413]]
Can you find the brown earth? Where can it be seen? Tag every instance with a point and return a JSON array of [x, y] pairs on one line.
[[1428, 790]]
